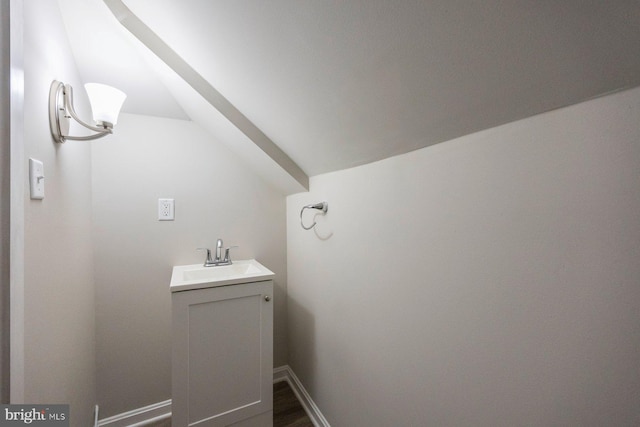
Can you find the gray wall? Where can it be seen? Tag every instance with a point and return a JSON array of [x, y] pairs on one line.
[[59, 326], [489, 280], [215, 196]]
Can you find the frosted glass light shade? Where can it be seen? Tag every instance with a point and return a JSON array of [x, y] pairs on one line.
[[106, 102]]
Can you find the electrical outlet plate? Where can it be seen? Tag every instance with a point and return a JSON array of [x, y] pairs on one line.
[[166, 210], [36, 179]]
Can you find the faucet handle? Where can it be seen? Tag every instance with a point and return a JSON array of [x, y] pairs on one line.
[[227, 256], [208, 261]]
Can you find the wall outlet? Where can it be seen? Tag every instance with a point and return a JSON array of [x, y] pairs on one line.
[[166, 210]]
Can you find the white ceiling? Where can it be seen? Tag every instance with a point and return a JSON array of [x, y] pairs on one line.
[[341, 83], [106, 53]]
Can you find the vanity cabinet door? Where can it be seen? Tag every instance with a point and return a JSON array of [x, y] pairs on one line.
[[222, 355]]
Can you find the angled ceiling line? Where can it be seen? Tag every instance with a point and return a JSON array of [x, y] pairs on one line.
[[162, 50]]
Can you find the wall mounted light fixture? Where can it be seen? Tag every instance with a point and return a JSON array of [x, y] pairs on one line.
[[106, 102]]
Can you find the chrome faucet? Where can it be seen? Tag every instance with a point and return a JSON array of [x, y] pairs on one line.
[[217, 261], [218, 251]]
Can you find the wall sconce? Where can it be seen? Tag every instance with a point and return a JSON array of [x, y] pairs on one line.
[[106, 102]]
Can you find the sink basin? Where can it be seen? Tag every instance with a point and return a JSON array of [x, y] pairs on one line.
[[196, 276]]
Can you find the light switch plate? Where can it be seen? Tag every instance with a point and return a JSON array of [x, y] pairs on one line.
[[36, 179]]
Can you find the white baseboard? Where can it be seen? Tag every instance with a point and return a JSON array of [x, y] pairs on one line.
[[285, 373], [162, 410], [139, 417]]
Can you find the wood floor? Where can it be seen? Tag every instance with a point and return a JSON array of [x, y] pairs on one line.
[[287, 410]]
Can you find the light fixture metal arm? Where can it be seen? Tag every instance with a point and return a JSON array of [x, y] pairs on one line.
[[68, 103], [61, 109], [86, 138]]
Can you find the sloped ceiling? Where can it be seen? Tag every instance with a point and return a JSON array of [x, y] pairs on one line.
[[337, 84]]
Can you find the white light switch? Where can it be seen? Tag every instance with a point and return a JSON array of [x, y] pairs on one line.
[[165, 210], [36, 179]]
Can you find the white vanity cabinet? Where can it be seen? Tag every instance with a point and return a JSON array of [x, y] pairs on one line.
[[222, 362]]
